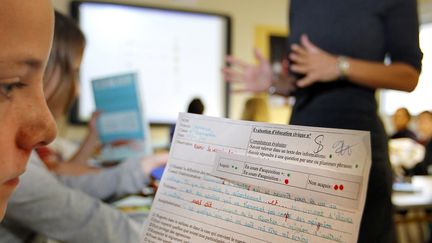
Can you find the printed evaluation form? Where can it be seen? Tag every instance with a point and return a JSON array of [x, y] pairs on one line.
[[240, 181]]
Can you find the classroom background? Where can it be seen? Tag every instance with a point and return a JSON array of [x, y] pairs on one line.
[[252, 25]]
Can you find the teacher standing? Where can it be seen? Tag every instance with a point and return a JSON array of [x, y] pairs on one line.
[[336, 64]]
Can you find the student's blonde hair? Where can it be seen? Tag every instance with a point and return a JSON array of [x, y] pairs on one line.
[[256, 109], [68, 45]]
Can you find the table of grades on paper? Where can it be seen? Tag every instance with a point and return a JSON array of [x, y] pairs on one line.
[[240, 181]]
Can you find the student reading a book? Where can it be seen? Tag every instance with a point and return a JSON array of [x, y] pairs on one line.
[[69, 208], [337, 63], [64, 157], [25, 121]]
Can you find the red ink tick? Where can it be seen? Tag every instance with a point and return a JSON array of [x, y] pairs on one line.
[[336, 187], [286, 216], [341, 187], [286, 181]]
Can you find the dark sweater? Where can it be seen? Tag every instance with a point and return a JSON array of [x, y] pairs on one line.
[[405, 133], [368, 30]]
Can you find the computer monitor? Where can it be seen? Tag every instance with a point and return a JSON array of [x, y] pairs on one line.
[[177, 54]]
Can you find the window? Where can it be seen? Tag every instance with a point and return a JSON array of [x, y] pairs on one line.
[[420, 99]]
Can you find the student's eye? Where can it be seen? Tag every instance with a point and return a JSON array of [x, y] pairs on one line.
[[6, 89]]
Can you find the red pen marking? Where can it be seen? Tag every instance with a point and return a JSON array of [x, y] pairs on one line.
[[286, 216], [273, 202], [197, 202], [198, 146]]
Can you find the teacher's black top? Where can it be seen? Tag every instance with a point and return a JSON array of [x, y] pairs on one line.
[[367, 30]]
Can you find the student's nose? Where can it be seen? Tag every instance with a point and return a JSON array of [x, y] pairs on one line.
[[38, 127]]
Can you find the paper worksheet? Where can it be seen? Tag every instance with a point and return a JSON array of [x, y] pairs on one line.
[[239, 181]]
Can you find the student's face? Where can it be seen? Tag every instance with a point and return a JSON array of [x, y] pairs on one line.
[[424, 126], [25, 122], [401, 119]]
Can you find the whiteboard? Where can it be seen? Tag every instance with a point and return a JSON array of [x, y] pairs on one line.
[[178, 56]]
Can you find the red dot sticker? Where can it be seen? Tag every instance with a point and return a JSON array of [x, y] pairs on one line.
[[286, 181], [341, 187], [336, 187]]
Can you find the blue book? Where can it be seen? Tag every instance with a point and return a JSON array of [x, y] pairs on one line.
[[121, 125]]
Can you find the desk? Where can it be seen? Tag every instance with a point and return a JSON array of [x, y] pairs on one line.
[[420, 198], [416, 202]]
